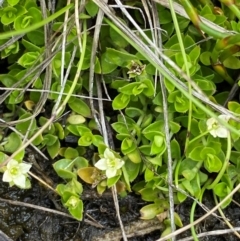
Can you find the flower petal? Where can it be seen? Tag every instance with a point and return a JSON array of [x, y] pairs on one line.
[[213, 133], [24, 167], [20, 181], [210, 122], [102, 164], [222, 132], [12, 163], [108, 154], [119, 163], [7, 177], [111, 172], [224, 117]]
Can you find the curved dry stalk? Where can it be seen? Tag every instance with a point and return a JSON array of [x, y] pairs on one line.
[[181, 11], [96, 35], [212, 233], [28, 205], [133, 229], [157, 40], [52, 92], [22, 136], [102, 125], [48, 76], [201, 218], [10, 42]]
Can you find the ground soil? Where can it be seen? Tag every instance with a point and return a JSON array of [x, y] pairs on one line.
[[21, 223]]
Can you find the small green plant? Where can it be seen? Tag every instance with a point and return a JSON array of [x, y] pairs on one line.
[[201, 142]]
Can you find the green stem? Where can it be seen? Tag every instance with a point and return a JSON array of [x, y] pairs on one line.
[[79, 67], [194, 235], [198, 137], [181, 44], [225, 164]]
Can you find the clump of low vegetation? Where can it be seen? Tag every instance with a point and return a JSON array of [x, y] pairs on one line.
[[145, 91]]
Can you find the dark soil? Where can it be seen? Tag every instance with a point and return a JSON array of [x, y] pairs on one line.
[[27, 224]]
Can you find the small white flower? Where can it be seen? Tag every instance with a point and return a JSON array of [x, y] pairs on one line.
[[16, 173], [109, 163], [216, 129]]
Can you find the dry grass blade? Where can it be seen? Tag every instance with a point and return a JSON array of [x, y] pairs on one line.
[[212, 233], [201, 218], [23, 204], [180, 10], [102, 123], [157, 41], [147, 51]]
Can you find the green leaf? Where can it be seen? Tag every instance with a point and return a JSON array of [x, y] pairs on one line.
[[181, 103], [158, 145], [80, 162], [133, 112], [131, 89], [106, 64], [206, 151], [155, 128], [112, 181], [149, 89], [118, 39], [150, 211], [205, 58], [70, 153], [32, 16], [149, 194], [53, 149], [178, 220], [221, 189], [188, 186], [13, 2], [120, 58], [120, 101], [64, 168], [28, 59], [76, 119], [128, 146], [194, 154], [181, 197], [92, 8], [80, 107], [188, 174], [134, 156], [59, 130], [86, 139], [50, 139], [97, 140], [36, 37], [75, 207], [207, 86], [147, 120], [194, 54], [120, 127], [13, 142], [148, 175], [212, 163], [23, 126], [82, 129], [232, 62]]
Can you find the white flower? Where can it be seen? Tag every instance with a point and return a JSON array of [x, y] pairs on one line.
[[16, 173], [216, 129], [109, 163]]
